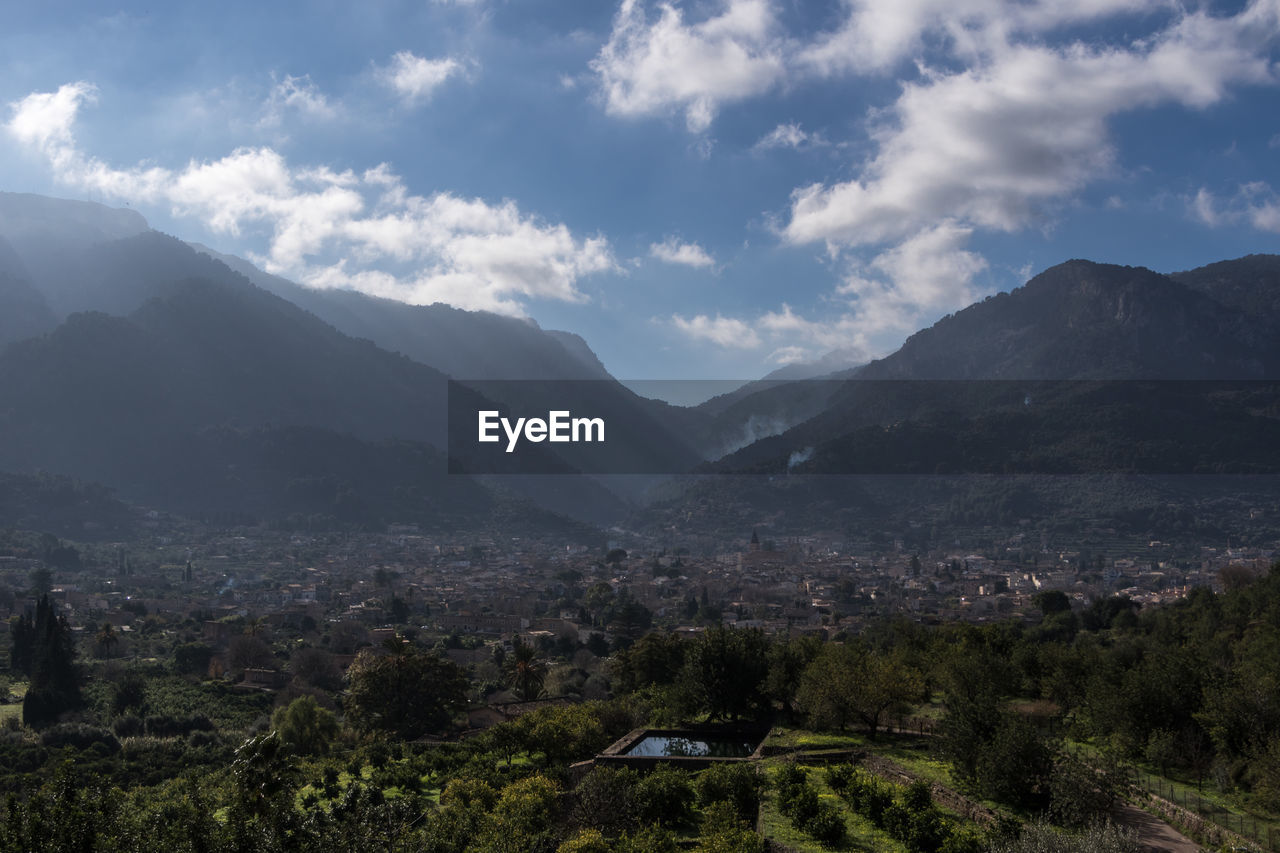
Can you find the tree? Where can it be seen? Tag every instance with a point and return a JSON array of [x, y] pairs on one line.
[[41, 581], [656, 658], [849, 683], [192, 658], [1016, 765], [43, 648], [597, 600], [316, 667], [724, 832], [563, 734], [106, 639], [305, 727], [788, 659], [408, 694], [627, 617], [1052, 601], [261, 810], [605, 800], [523, 819], [399, 609], [725, 669], [249, 652], [525, 671]]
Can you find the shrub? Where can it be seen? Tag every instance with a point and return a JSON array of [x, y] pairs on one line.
[[606, 800], [840, 777], [397, 775], [199, 739], [665, 797], [80, 736], [737, 784], [129, 725], [826, 824]]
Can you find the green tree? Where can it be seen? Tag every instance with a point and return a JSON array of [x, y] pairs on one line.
[[606, 800], [43, 648], [1016, 765], [305, 727], [563, 734], [523, 820], [261, 813], [1052, 601], [725, 669], [848, 683], [656, 658], [724, 832], [788, 659], [598, 600], [192, 658], [666, 797], [41, 582], [525, 671], [408, 693], [106, 640]]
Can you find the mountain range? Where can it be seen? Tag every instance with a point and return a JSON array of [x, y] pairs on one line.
[[190, 380]]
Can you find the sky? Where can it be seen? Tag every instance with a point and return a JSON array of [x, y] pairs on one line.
[[700, 189]]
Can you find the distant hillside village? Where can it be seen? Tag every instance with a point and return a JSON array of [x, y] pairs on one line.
[[230, 598]]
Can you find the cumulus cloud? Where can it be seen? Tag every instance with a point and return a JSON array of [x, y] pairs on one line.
[[992, 144], [1255, 203], [337, 229], [652, 67], [915, 282], [926, 275], [788, 135], [725, 332], [297, 94], [876, 35], [43, 120], [672, 251], [1014, 126], [784, 335], [415, 78]]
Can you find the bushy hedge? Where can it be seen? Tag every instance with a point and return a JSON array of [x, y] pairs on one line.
[[908, 814], [799, 801], [80, 736]]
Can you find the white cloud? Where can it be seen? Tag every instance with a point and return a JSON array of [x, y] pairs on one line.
[[654, 67], [877, 35], [992, 145], [1255, 203], [300, 95], [415, 78], [723, 331], [43, 120], [672, 251], [789, 355], [337, 229], [915, 282], [789, 135], [1204, 208], [926, 275]]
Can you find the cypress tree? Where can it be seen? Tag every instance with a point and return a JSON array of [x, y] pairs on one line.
[[48, 650]]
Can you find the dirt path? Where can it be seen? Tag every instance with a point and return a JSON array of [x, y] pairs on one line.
[[1154, 834]]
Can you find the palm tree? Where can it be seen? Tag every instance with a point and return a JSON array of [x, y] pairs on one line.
[[525, 671], [107, 639]]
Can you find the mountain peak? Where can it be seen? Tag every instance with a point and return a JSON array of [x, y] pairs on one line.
[[1086, 320], [25, 217]]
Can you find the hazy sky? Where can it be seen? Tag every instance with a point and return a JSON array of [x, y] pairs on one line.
[[700, 189]]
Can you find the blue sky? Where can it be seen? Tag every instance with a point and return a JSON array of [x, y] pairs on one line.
[[700, 189]]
